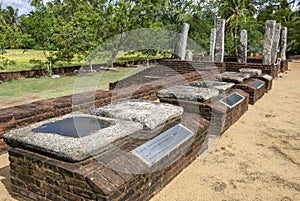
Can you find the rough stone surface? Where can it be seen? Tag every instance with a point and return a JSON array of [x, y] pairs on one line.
[[189, 56], [150, 114], [253, 72], [221, 86], [70, 148], [213, 33], [276, 40], [220, 37], [188, 93], [233, 76], [268, 42], [283, 45], [242, 54], [268, 77], [182, 43]]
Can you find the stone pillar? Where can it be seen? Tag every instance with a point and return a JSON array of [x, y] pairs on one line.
[[212, 44], [242, 53], [276, 40], [220, 39], [182, 42], [283, 45], [189, 56], [268, 42]]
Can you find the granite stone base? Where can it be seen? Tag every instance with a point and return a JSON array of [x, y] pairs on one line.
[[220, 116], [108, 176]]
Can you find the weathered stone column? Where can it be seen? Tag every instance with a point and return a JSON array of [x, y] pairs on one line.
[[283, 45], [182, 42], [276, 40], [220, 39], [212, 44], [268, 41], [242, 53], [189, 56]]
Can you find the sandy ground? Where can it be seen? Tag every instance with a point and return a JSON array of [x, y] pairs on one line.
[[257, 159]]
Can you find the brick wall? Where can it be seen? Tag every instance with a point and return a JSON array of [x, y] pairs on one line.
[[63, 70], [272, 70], [52, 179]]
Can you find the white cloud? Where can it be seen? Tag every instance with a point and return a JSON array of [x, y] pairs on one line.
[[22, 5]]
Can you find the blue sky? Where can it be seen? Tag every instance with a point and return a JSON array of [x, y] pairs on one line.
[[23, 5]]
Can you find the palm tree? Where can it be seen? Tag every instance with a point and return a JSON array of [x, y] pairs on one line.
[[35, 2]]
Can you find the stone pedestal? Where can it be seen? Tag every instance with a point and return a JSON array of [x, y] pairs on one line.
[[283, 44], [268, 42], [275, 45], [189, 56], [182, 42], [242, 54], [212, 44], [220, 37]]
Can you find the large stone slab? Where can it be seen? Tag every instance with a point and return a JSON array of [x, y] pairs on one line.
[[242, 53], [221, 86], [220, 41], [252, 71], [268, 42], [69, 148], [213, 33], [233, 77], [283, 45], [149, 114], [191, 93], [276, 40]]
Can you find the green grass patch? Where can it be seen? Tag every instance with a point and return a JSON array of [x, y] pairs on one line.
[[17, 92], [22, 58]]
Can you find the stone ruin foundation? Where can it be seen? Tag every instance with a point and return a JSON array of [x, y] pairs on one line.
[[214, 101], [116, 166], [254, 87]]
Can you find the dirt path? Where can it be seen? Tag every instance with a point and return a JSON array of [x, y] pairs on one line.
[[257, 159]]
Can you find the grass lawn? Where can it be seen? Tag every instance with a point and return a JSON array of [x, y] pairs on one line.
[[22, 58], [17, 92]]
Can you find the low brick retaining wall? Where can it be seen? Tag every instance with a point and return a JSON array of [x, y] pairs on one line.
[[4, 76], [23, 115], [38, 177], [272, 70]]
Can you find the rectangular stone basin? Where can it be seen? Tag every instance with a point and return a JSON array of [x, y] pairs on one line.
[[234, 77], [73, 137], [150, 114], [221, 86], [252, 71], [190, 93]]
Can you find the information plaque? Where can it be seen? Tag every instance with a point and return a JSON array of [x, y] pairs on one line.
[[157, 148], [257, 84], [232, 100]]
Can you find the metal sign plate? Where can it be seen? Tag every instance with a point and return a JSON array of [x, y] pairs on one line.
[[232, 100], [157, 148], [257, 84]]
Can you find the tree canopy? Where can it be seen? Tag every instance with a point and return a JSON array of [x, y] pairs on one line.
[[66, 28]]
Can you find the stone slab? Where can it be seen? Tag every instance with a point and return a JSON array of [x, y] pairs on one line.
[[233, 76], [221, 86], [268, 77], [253, 72], [149, 114], [70, 148], [190, 93]]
